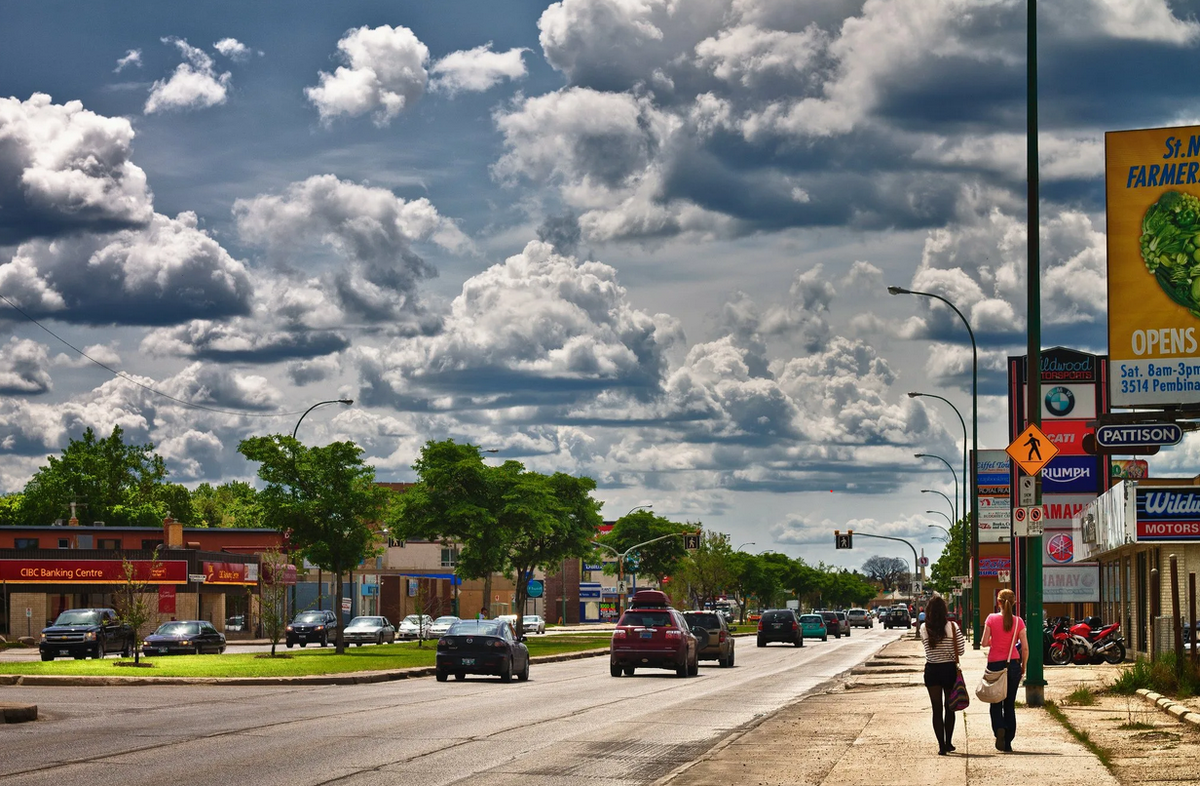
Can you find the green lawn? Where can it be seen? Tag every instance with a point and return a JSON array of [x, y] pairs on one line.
[[303, 661]]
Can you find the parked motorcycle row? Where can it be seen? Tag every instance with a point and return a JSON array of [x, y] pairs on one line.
[[1087, 641]]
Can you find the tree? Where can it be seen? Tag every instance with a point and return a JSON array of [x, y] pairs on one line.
[[658, 560], [950, 563], [11, 513], [708, 572], [133, 602], [324, 499], [231, 504], [115, 483], [272, 598], [886, 570]]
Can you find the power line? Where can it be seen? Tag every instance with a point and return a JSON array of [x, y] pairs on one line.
[[127, 378]]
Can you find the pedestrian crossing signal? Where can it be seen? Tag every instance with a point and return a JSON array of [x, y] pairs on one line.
[[691, 541], [843, 540]]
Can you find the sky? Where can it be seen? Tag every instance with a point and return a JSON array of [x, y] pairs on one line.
[[647, 241]]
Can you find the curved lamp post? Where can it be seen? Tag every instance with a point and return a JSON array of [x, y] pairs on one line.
[[346, 401], [976, 630], [950, 467], [966, 472], [747, 543], [948, 501]]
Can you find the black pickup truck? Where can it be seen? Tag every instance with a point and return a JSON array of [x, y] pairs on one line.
[[79, 633]]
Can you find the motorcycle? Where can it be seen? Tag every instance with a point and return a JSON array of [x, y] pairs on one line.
[[1085, 642]]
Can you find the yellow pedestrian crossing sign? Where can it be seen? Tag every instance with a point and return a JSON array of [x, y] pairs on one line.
[[1032, 450]]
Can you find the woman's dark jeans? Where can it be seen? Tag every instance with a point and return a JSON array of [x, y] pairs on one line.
[[1004, 715]]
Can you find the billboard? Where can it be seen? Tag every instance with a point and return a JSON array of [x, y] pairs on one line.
[[1153, 215], [993, 492], [91, 571]]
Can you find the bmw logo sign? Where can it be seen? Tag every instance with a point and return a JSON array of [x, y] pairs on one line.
[[1060, 401]]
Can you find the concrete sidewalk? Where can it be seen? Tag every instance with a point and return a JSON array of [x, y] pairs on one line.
[[874, 727]]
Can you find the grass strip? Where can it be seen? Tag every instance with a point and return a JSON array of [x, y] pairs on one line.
[[1098, 751], [303, 662]]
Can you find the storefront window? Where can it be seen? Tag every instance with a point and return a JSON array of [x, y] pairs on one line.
[[26, 543]]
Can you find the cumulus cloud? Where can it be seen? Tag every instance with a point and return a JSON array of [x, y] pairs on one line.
[[64, 168], [233, 49], [369, 228], [24, 368], [96, 353], [476, 70], [384, 74], [243, 341], [194, 84], [167, 273], [132, 58]]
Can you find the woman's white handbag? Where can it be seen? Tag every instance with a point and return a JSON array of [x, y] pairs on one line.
[[993, 685]]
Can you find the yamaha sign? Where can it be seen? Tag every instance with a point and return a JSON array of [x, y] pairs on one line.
[[1139, 435]]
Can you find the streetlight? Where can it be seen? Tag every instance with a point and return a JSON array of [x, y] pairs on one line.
[[747, 543], [948, 502], [320, 577], [949, 466], [346, 401], [939, 526], [620, 568], [976, 630], [966, 473]]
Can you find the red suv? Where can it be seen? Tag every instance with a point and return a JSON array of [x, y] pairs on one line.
[[651, 634]]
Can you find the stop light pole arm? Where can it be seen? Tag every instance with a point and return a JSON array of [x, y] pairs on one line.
[[898, 540]]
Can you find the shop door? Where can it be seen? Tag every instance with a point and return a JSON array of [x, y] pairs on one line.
[[1143, 593]]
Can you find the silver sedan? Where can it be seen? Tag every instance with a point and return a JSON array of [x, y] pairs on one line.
[[369, 630]]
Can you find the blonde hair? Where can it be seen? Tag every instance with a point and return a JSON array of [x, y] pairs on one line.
[[1007, 598]]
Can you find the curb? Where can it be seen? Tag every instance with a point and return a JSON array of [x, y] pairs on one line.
[[1182, 712], [354, 678], [18, 713]]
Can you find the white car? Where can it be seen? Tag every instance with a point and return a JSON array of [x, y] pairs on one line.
[[415, 626], [533, 623], [441, 625]]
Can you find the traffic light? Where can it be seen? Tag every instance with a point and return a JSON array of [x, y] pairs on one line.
[[691, 541], [843, 540]]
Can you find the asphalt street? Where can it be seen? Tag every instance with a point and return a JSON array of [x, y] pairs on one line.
[[571, 722]]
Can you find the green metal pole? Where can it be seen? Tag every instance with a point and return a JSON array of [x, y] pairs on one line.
[[1035, 682]]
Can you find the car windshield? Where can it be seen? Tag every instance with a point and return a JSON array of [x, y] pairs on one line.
[[857, 613], [776, 616], [646, 619], [811, 618], [476, 628], [445, 620], [531, 618], [703, 620], [413, 619], [178, 629], [366, 622], [311, 616], [78, 618], [829, 615]]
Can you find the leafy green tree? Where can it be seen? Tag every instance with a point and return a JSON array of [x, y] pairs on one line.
[[324, 498], [657, 559], [11, 512], [114, 482], [231, 504], [950, 563]]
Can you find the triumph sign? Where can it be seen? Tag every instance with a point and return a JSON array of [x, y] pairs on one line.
[[1139, 435]]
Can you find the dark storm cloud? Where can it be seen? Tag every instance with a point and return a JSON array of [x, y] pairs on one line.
[[562, 232]]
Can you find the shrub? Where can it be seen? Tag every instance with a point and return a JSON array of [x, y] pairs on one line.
[[1159, 676]]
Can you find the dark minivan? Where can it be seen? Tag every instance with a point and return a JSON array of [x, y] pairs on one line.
[[779, 625]]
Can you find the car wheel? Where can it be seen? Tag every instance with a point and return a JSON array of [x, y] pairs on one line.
[[799, 642], [614, 670], [460, 676], [682, 669], [761, 643], [506, 672], [731, 658], [197, 651], [358, 644], [100, 650], [694, 668], [441, 675], [303, 644], [825, 637], [723, 662], [524, 675], [629, 671], [324, 641], [127, 650], [46, 656], [289, 645], [380, 639]]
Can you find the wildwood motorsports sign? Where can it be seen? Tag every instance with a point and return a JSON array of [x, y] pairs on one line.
[[90, 571], [1167, 514], [1152, 185]]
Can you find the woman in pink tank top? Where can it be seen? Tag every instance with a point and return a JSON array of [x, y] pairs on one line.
[[1008, 648]]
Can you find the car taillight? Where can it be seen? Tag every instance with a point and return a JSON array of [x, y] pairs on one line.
[[498, 643], [760, 624], [793, 626], [618, 634], [721, 637], [674, 633]]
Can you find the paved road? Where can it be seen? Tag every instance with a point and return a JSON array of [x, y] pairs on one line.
[[570, 723]]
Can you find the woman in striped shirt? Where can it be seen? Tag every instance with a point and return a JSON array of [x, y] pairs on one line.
[[944, 643]]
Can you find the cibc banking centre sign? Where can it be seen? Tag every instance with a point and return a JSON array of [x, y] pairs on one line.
[[1153, 194]]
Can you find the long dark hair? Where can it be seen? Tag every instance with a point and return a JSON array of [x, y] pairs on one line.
[[935, 620]]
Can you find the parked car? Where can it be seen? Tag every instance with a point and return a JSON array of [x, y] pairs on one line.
[[651, 634], [415, 626], [898, 618], [844, 620], [713, 641], [235, 623], [779, 625], [812, 626], [860, 618], [369, 630], [833, 623], [184, 637], [79, 633], [533, 623], [441, 625], [312, 627], [481, 647]]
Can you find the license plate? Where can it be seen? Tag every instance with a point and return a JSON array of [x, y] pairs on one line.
[[777, 625], [64, 652], [162, 650], [468, 661], [647, 634]]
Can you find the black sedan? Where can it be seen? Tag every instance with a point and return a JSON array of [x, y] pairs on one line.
[[482, 647], [184, 637]]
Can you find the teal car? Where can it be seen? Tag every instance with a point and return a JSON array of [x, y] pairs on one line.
[[812, 626]]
